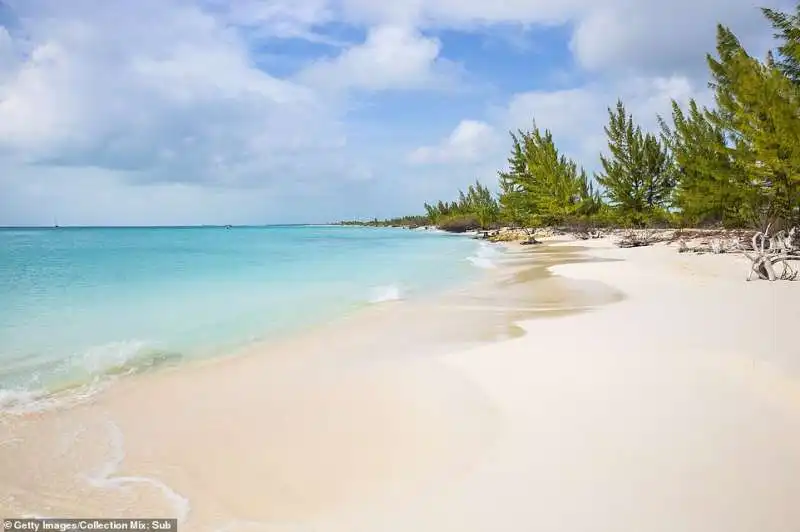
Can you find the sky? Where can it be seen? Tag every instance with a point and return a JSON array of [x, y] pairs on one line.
[[182, 112]]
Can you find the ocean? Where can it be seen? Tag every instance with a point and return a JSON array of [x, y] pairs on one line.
[[78, 305]]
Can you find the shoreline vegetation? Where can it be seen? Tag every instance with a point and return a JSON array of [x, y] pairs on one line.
[[731, 171]]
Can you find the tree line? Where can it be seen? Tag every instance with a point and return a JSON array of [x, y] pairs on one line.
[[735, 164]]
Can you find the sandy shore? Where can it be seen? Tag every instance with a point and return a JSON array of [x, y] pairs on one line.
[[650, 391]]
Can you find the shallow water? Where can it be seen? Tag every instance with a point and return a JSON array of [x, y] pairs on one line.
[[82, 302], [326, 426]]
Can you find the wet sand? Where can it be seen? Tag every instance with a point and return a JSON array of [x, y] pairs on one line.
[[575, 388]]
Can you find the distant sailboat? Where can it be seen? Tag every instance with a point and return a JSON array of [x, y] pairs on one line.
[[55, 223]]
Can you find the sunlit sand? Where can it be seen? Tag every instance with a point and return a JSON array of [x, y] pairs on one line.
[[576, 388]]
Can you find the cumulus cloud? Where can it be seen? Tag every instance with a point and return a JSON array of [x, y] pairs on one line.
[[467, 143], [649, 35], [175, 95], [391, 57], [163, 108], [659, 37], [576, 118], [277, 19]]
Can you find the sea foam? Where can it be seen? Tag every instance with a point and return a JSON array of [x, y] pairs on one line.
[[81, 376], [381, 294], [484, 257], [34, 401], [104, 476]]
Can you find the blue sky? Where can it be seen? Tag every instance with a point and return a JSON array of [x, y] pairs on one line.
[[265, 111]]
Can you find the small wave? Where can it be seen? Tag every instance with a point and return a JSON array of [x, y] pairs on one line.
[[389, 292], [14, 399], [126, 357], [22, 402], [103, 478], [82, 376], [484, 256], [482, 262]]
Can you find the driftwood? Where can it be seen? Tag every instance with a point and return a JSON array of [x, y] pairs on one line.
[[715, 245], [633, 238], [771, 255], [531, 237], [589, 234]]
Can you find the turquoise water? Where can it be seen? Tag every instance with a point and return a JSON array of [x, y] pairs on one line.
[[82, 302]]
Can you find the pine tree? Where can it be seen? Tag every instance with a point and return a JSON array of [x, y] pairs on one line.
[[758, 107], [787, 30], [638, 175], [711, 187], [433, 214], [590, 200], [542, 185], [516, 202], [482, 203]]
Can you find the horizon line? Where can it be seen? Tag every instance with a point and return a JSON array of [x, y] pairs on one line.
[[181, 226]]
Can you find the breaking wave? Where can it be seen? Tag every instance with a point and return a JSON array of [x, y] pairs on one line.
[[390, 292], [80, 377]]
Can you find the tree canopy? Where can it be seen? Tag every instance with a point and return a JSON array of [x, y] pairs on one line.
[[638, 174]]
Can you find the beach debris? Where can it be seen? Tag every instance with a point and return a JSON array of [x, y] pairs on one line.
[[716, 246], [634, 238], [773, 257], [588, 234]]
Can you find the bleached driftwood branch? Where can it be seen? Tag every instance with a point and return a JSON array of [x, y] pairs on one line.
[[715, 246], [634, 238], [771, 255]]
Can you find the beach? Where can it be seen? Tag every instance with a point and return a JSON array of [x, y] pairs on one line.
[[576, 387]]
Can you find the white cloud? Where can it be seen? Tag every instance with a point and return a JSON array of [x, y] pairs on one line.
[[391, 57], [165, 109], [661, 37], [576, 118], [650, 36], [469, 142], [175, 94], [276, 19], [461, 13]]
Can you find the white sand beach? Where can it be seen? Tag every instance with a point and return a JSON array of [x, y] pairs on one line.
[[671, 402]]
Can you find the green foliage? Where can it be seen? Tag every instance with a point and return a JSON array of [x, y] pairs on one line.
[[758, 107], [711, 188], [460, 223], [543, 186], [787, 31], [476, 207], [638, 175], [403, 221]]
